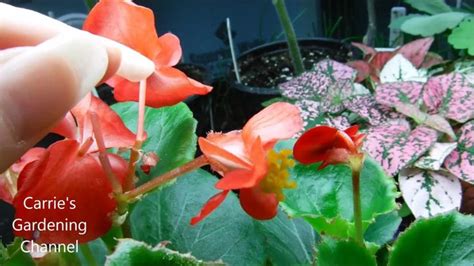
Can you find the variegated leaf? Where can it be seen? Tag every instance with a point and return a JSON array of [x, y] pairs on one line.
[[395, 146], [315, 84], [390, 94], [450, 95], [416, 50], [436, 156], [428, 193], [366, 107], [461, 161], [398, 68]]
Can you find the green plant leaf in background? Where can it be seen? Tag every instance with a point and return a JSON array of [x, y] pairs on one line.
[[430, 6], [462, 37], [11, 255], [343, 253], [397, 23], [383, 229], [431, 25], [130, 252], [228, 233], [324, 198], [442, 240], [170, 133]]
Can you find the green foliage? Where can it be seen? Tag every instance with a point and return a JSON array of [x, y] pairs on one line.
[[130, 252], [442, 240], [383, 229], [430, 6], [343, 253], [462, 37], [324, 198], [431, 25], [228, 234], [170, 130], [12, 255]]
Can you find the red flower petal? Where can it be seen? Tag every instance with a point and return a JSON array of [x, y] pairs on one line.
[[311, 147], [244, 178], [258, 204], [126, 23], [217, 152], [210, 206], [165, 87], [31, 155], [63, 175], [277, 121], [66, 127], [170, 50]]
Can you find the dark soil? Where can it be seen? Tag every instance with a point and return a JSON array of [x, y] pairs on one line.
[[271, 69]]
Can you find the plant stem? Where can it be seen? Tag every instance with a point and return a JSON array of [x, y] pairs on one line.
[[90, 3], [160, 180], [369, 38], [129, 183], [88, 255], [357, 207], [103, 156], [293, 47]]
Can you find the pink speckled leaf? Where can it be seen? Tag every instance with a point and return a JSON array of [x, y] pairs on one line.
[[390, 94], [451, 96], [395, 146], [461, 161], [366, 107], [416, 51], [327, 75]]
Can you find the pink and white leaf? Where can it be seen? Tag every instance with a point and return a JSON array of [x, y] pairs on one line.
[[428, 193], [367, 108], [441, 124], [395, 146], [436, 156], [450, 95], [461, 161], [398, 68], [416, 50], [390, 94]]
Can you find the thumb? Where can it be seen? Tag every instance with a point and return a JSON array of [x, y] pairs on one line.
[[38, 86]]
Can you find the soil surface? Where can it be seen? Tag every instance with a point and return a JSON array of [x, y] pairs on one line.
[[274, 68]]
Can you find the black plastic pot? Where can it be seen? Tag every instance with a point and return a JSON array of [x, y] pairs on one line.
[[246, 98]]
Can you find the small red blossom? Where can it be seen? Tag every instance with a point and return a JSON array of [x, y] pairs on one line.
[[134, 26], [70, 170], [247, 162], [328, 145]]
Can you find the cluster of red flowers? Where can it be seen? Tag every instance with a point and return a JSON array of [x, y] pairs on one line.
[[80, 167]]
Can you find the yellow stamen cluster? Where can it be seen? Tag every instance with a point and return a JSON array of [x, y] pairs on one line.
[[278, 174]]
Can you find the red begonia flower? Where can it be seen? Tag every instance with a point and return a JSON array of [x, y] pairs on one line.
[[327, 145], [70, 170], [134, 26], [247, 162], [63, 173]]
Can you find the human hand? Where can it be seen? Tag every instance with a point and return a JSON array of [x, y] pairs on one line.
[[46, 67]]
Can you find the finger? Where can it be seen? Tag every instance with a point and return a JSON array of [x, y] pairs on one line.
[[22, 27], [40, 85]]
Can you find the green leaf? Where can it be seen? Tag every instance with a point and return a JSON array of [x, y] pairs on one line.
[[343, 253], [442, 240], [228, 234], [431, 25], [430, 6], [275, 100], [397, 23], [98, 252], [170, 134], [383, 229], [324, 198], [12, 255], [130, 252], [462, 37]]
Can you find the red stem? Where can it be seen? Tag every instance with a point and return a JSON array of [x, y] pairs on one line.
[[103, 157]]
